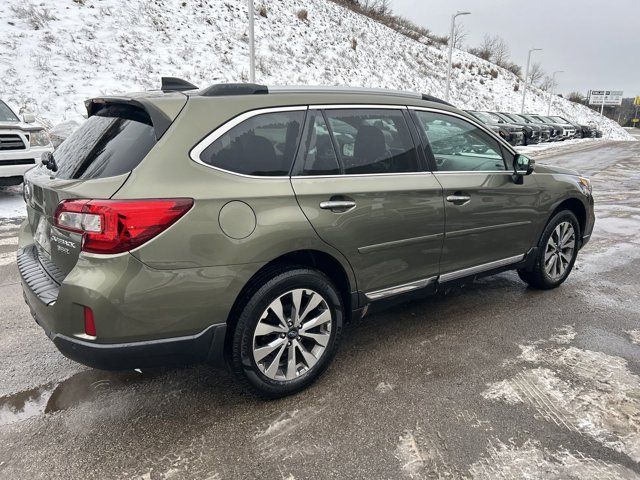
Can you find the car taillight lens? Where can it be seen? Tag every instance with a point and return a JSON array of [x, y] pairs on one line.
[[115, 226]]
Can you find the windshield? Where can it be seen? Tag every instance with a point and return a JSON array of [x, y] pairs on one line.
[[6, 114], [559, 119], [544, 119], [111, 142]]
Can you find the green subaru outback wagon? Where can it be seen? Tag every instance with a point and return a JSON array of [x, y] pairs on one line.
[[245, 225]]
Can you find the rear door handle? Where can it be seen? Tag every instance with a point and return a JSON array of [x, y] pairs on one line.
[[458, 199], [337, 205]]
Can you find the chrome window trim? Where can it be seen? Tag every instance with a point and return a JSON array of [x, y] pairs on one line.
[[475, 123], [197, 150], [355, 175], [357, 106]]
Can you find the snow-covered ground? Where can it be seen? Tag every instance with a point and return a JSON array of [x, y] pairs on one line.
[[55, 54]]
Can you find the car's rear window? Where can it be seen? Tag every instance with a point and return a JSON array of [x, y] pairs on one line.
[[111, 142]]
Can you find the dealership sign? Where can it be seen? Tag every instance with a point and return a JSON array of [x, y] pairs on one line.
[[605, 97]]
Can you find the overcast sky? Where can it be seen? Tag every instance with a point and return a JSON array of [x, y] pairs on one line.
[[596, 43]]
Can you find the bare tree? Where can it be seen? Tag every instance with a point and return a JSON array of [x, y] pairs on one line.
[[501, 52], [459, 35], [577, 97], [536, 73], [547, 83]]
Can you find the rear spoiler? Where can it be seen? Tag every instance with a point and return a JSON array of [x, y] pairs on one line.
[[159, 119]]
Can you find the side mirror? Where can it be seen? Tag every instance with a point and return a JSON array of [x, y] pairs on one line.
[[28, 118], [521, 166]]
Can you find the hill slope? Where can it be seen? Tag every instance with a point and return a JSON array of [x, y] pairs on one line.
[[51, 59]]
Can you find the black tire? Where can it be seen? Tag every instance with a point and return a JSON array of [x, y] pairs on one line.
[[255, 303], [537, 276]]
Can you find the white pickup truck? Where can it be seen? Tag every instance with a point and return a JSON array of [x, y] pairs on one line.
[[22, 144]]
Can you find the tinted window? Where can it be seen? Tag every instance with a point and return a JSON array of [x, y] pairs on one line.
[[111, 142], [373, 141], [262, 145], [6, 114], [317, 155], [458, 145]]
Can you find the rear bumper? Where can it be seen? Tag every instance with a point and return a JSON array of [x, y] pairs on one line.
[[207, 346]]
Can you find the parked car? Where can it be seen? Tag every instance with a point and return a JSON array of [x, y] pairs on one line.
[[22, 143], [248, 224], [555, 131], [514, 134], [533, 134], [566, 130], [582, 131]]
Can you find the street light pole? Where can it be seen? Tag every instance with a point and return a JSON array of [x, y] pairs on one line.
[[252, 45], [453, 26], [526, 77], [552, 92]]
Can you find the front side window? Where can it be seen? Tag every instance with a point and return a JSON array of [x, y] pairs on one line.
[[458, 145], [371, 141], [262, 145]]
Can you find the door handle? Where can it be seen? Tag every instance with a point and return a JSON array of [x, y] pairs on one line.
[[458, 199], [340, 205]]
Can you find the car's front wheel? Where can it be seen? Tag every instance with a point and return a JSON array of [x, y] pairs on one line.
[[287, 332], [557, 252]]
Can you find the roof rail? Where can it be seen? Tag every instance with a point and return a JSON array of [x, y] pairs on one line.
[[431, 98], [174, 84], [224, 89], [341, 89]]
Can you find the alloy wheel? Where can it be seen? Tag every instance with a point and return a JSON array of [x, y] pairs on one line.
[[559, 250], [292, 334]]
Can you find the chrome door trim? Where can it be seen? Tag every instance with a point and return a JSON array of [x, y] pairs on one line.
[[398, 243], [459, 233], [480, 268], [355, 175], [405, 287], [197, 150]]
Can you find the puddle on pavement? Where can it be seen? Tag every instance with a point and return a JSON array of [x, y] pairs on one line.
[[53, 397]]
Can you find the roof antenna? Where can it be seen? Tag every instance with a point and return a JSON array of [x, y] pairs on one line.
[[174, 84]]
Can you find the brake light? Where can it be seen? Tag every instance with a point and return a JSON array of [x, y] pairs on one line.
[[116, 226]]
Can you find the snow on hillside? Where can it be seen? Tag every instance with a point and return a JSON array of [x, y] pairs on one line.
[[55, 54]]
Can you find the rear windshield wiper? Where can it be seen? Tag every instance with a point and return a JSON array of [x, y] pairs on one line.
[[49, 162]]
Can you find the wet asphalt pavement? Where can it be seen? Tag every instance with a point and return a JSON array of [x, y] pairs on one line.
[[491, 380]]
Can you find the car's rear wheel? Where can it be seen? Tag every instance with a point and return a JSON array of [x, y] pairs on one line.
[[557, 252], [287, 332]]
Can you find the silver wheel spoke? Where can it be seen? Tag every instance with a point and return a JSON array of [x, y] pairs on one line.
[[291, 362], [262, 352], [296, 297], [267, 329], [324, 317], [275, 363], [276, 308], [314, 301], [309, 358], [560, 250], [320, 338]]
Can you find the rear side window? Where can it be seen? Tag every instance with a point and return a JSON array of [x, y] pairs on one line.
[[373, 141], [317, 154], [263, 145], [111, 142]]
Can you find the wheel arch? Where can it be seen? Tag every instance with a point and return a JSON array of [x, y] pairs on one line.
[[341, 275], [575, 206]]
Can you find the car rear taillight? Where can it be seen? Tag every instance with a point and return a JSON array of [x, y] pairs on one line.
[[115, 226]]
